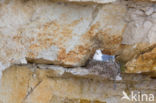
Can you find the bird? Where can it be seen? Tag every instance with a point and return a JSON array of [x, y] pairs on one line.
[[104, 65], [98, 56]]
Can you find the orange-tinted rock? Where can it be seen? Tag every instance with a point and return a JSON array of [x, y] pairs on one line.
[[147, 0], [144, 62], [56, 32], [92, 1], [49, 84], [14, 84], [67, 34]]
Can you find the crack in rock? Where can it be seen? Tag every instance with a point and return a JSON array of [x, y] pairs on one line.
[[31, 90]]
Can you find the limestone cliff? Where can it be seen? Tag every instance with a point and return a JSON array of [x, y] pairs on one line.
[[63, 35]]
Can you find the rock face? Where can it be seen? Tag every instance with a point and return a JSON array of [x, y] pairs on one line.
[[38, 84], [15, 89], [147, 0], [67, 34], [145, 62], [140, 33], [55, 32], [94, 1], [141, 24]]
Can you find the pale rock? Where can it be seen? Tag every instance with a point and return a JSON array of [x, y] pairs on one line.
[[143, 63], [18, 85], [140, 27], [140, 34], [59, 33], [14, 84], [78, 71], [95, 1], [67, 33], [149, 11], [147, 0]]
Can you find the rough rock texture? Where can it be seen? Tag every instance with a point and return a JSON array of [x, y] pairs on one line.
[[94, 1], [141, 27], [147, 0], [14, 85], [55, 32], [66, 33], [145, 62], [140, 36], [140, 32], [49, 84]]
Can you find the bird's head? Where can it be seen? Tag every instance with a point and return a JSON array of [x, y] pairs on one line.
[[98, 52], [98, 55]]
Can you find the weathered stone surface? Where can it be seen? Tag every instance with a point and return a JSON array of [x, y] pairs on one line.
[[14, 84], [140, 33], [140, 37], [144, 62], [48, 84], [94, 1], [67, 34], [141, 27], [147, 0], [55, 32]]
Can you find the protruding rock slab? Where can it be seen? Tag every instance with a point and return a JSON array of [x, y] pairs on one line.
[[144, 62], [14, 84], [67, 34], [38, 84], [55, 32], [94, 1], [147, 0]]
